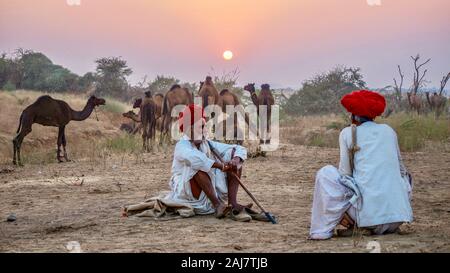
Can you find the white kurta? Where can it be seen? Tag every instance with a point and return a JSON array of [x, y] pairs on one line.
[[188, 160], [379, 175]]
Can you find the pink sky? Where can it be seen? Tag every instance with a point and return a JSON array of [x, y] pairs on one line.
[[282, 42]]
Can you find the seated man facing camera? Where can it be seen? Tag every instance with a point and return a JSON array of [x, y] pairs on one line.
[[198, 178]]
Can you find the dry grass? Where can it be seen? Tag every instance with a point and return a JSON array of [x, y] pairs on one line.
[[415, 133]]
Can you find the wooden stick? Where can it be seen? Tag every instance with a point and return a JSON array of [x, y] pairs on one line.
[[268, 215]]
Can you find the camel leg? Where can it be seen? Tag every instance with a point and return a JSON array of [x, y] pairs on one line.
[[59, 143], [161, 136], [18, 142], [64, 144], [15, 150], [152, 135], [144, 138]]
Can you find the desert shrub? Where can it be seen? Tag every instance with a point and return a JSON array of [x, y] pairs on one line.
[[114, 106], [414, 131], [123, 144]]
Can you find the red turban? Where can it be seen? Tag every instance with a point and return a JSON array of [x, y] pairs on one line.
[[364, 103], [194, 111]]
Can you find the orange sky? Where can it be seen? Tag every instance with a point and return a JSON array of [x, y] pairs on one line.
[[280, 42]]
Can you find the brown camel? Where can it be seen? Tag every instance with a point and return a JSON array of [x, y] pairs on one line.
[[136, 118], [175, 96], [210, 96], [265, 98], [129, 127], [209, 93], [158, 100], [415, 102], [438, 101], [147, 112], [50, 112]]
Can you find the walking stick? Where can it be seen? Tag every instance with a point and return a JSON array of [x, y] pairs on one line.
[[267, 214]]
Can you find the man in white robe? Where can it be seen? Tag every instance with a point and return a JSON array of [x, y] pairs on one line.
[[376, 194], [199, 179]]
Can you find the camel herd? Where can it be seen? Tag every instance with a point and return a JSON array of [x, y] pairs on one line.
[[154, 113], [163, 105]]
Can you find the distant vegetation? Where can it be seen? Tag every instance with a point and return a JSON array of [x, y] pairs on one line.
[[30, 70], [322, 93]]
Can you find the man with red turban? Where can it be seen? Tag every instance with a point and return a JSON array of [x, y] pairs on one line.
[[371, 189], [199, 179]]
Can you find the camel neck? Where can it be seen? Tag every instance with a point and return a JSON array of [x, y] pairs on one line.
[[83, 114], [254, 97]]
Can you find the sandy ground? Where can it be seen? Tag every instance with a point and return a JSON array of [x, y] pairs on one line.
[[80, 201]]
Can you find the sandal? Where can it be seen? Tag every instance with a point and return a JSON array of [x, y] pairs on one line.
[[258, 216], [240, 216]]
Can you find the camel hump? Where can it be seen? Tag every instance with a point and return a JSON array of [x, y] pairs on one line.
[[159, 95], [225, 91], [47, 102], [44, 98]]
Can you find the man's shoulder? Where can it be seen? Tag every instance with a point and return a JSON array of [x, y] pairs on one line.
[[347, 131], [183, 143]]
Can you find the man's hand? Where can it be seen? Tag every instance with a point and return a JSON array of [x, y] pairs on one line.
[[236, 163]]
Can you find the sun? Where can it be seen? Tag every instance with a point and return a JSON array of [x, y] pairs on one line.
[[228, 55]]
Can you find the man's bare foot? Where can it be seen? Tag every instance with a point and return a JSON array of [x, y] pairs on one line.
[[347, 221], [221, 210], [239, 207]]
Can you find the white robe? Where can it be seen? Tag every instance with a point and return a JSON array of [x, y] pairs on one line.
[[380, 177], [188, 160]]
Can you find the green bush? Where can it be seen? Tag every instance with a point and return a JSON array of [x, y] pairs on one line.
[[9, 86]]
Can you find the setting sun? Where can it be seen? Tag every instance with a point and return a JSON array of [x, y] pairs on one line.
[[228, 55]]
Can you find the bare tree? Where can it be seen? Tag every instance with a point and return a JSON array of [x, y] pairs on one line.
[[419, 79], [398, 88], [414, 100], [444, 83]]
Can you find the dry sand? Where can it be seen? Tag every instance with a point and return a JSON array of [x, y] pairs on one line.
[[80, 201]]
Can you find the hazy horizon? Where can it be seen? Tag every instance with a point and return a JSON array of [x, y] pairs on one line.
[[279, 42]]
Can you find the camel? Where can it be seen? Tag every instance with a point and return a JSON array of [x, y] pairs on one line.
[[147, 113], [265, 98], [135, 118], [210, 96], [209, 93], [415, 102], [438, 101], [175, 96], [50, 112], [158, 100], [129, 127]]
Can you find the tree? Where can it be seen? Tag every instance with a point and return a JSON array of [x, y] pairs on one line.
[[398, 88], [162, 84], [111, 74], [322, 93], [86, 81]]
